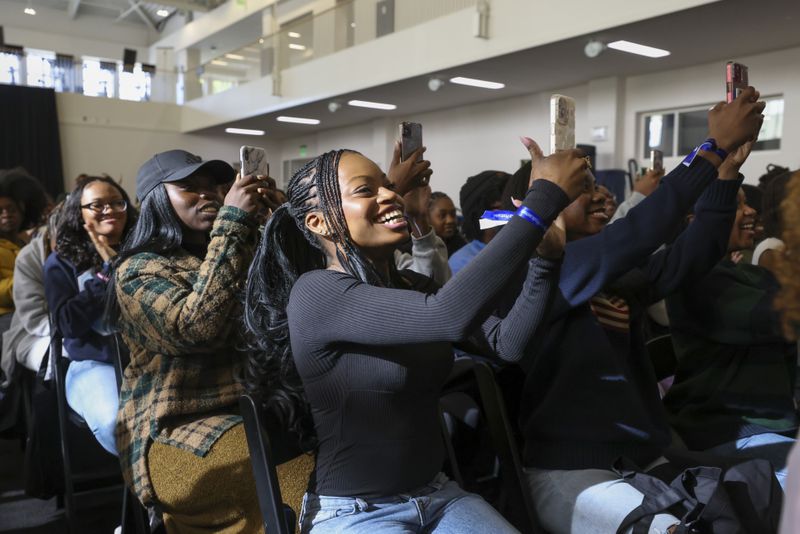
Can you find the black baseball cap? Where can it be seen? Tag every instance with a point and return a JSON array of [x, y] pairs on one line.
[[174, 165]]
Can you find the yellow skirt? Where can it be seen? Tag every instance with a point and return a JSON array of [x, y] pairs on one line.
[[217, 493]]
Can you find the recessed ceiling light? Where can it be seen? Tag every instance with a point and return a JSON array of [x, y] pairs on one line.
[[295, 46], [243, 131], [294, 35], [236, 57], [473, 82], [219, 63], [639, 49], [371, 105], [261, 41], [162, 13], [297, 120], [29, 11]]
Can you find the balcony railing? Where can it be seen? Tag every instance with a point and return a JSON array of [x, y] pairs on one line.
[[87, 76], [316, 35]]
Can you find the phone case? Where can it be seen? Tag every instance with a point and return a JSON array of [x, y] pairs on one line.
[[736, 80], [410, 139], [562, 123], [656, 160], [254, 161]]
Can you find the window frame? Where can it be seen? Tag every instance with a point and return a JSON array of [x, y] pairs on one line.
[[643, 152]]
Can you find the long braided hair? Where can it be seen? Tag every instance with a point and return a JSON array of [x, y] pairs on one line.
[[287, 250]]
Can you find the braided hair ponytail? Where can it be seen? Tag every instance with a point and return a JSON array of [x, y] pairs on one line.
[[287, 250]]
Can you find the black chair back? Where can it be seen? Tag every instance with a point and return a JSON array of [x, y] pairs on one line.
[[279, 518], [93, 471], [519, 503]]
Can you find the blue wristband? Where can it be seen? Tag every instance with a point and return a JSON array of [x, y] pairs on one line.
[[531, 217]]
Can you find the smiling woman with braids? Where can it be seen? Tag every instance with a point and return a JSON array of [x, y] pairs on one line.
[[369, 348]]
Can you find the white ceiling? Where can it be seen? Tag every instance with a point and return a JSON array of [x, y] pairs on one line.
[[715, 32]]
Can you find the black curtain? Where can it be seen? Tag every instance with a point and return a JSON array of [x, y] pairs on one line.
[[29, 134]]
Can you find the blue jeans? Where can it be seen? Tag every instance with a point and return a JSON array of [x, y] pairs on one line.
[[772, 447], [92, 393], [440, 507], [586, 501]]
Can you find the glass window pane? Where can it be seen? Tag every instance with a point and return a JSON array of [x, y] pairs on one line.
[[692, 130], [9, 69], [769, 138], [659, 130], [97, 80], [134, 85], [39, 69]]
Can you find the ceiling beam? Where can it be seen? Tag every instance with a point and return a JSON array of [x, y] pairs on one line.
[[136, 7], [72, 8]]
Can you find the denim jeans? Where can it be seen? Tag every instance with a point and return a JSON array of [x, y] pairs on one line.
[[772, 447], [586, 501], [440, 507], [92, 393]]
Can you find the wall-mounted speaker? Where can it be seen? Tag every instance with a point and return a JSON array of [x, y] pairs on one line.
[[128, 60]]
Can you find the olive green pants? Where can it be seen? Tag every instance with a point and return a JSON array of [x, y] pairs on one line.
[[217, 493]]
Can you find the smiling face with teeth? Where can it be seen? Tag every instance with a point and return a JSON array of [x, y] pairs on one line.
[[372, 210], [587, 214], [743, 231]]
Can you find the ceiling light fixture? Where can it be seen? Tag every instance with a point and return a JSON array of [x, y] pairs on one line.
[[244, 131], [297, 120], [473, 82], [333, 107], [294, 35], [29, 9], [638, 49], [236, 57], [295, 46], [593, 48], [162, 13], [261, 41], [371, 105], [434, 84], [219, 63]]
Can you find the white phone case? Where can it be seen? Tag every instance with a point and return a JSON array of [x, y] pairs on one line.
[[253, 160], [562, 123]]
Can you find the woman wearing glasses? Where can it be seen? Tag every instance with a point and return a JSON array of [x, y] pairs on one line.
[[94, 221]]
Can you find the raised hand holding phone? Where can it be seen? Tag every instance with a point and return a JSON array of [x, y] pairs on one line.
[[406, 174], [568, 169], [731, 125]]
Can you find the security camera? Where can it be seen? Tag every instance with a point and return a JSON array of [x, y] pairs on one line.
[[434, 84], [593, 48], [333, 107]]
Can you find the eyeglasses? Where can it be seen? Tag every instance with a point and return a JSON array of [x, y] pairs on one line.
[[116, 206]]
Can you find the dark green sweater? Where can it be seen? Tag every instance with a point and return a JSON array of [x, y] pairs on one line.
[[735, 373]]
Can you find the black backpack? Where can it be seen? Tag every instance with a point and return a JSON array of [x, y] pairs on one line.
[[742, 498]]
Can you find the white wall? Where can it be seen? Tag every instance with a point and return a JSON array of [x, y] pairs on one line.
[[773, 73], [101, 135], [461, 141]]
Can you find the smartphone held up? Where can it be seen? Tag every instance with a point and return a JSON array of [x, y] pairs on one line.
[[562, 123], [736, 80], [253, 161], [410, 139]]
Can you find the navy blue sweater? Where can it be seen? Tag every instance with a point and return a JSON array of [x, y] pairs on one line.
[[75, 311], [590, 393]]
